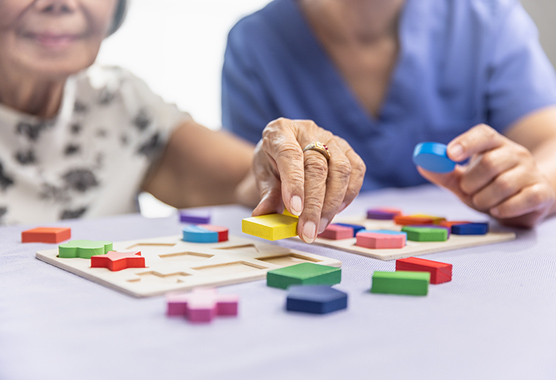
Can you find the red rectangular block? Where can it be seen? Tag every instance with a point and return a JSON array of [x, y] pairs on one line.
[[440, 272], [46, 235]]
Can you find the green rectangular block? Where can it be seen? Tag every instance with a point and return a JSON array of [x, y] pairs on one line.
[[425, 234], [401, 282], [303, 274]]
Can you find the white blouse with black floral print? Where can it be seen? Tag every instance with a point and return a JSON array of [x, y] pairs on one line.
[[91, 159]]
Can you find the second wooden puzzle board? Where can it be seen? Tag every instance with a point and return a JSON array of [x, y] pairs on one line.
[[412, 248], [175, 265]]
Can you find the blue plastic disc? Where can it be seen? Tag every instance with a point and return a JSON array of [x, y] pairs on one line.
[[432, 157]]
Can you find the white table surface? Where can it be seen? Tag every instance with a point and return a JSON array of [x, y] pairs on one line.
[[495, 320]]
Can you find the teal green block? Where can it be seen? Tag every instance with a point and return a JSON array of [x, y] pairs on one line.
[[84, 248], [303, 274], [425, 234], [401, 282]]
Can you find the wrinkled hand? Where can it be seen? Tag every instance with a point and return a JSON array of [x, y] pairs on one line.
[[501, 179], [304, 182]]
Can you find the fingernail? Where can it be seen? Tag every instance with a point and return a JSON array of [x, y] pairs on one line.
[[322, 225], [309, 232], [296, 205], [456, 151]]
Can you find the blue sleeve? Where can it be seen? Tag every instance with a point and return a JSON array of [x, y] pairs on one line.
[[521, 78], [245, 103]]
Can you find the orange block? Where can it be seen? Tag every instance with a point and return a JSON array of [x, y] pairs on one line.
[[409, 220], [46, 235]]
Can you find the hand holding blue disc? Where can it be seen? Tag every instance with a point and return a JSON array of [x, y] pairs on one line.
[[432, 157]]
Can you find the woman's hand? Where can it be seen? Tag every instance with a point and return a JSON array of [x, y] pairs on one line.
[[306, 183], [501, 179]]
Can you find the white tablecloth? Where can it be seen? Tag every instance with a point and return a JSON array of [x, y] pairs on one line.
[[495, 320]]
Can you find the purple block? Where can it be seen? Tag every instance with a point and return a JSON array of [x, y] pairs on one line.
[[383, 213], [194, 217]]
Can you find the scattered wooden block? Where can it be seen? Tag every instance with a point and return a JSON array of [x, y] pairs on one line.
[[470, 229], [204, 233], [270, 227], [401, 282], [440, 272], [303, 274], [315, 299], [425, 233], [383, 213], [435, 219], [194, 216], [448, 229], [356, 227], [336, 232], [116, 261], [380, 239], [84, 249], [201, 305], [433, 157], [52, 235], [407, 220], [222, 232]]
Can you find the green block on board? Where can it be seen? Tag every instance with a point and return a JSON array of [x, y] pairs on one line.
[[84, 248], [401, 282], [304, 274], [425, 233]]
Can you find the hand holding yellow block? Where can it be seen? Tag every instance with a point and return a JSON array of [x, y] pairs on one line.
[[270, 227]]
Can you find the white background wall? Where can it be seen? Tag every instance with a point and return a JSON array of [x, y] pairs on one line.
[[177, 47]]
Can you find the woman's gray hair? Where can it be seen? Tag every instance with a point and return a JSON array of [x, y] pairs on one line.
[[119, 16]]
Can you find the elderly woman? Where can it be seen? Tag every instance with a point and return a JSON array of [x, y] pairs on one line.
[[387, 75], [77, 140]]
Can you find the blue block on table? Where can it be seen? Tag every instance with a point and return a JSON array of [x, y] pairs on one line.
[[470, 229], [315, 299], [356, 227], [432, 157], [196, 234]]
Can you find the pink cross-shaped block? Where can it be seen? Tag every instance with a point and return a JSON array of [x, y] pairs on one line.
[[202, 304]]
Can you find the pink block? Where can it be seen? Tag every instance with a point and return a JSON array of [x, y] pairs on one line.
[[201, 305], [335, 232], [380, 241]]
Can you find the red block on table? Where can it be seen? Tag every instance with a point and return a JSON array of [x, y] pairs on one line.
[[46, 235], [440, 272], [335, 232], [380, 241], [222, 231], [412, 220], [116, 261]]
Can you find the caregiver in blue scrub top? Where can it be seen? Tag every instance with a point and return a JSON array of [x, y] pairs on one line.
[[387, 75]]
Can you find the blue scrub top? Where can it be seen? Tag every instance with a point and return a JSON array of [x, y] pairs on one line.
[[461, 63]]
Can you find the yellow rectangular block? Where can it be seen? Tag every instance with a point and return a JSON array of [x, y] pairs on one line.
[[286, 212], [270, 227]]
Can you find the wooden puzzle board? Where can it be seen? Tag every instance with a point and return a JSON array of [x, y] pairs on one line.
[[175, 265], [412, 248]]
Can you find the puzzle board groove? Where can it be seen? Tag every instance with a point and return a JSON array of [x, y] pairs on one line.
[[412, 248], [175, 265]]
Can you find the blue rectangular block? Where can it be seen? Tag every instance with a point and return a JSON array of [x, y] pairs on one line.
[[470, 229]]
